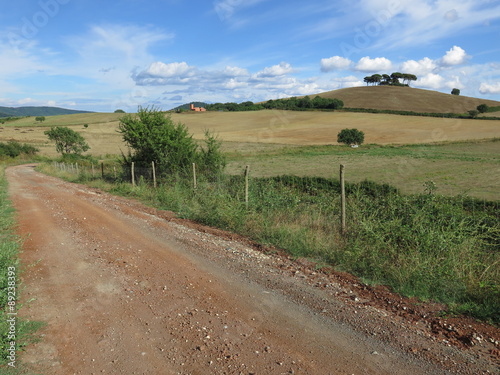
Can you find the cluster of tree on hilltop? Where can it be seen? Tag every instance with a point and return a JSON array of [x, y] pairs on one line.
[[297, 104], [390, 80]]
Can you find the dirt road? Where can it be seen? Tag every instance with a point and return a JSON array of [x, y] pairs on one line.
[[126, 289]]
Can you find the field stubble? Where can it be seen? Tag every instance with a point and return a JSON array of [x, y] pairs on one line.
[[274, 142]]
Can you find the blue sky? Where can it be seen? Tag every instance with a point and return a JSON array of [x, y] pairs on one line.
[[103, 55]]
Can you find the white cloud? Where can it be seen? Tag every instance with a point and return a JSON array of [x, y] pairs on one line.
[[307, 89], [349, 81], [454, 82], [420, 67], [455, 56], [366, 64], [487, 88], [275, 71], [335, 63], [233, 84], [234, 71], [175, 69], [431, 81]]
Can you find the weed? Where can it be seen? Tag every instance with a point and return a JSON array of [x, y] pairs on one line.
[[9, 245]]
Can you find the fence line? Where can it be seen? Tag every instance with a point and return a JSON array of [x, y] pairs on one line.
[[247, 192]]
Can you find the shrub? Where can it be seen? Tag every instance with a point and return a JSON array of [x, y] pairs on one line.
[[154, 137], [14, 149], [482, 108], [473, 113]]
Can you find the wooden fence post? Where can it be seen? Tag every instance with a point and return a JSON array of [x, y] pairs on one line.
[[194, 176], [247, 172], [154, 174], [93, 170], [102, 170], [114, 171], [342, 199], [133, 173]]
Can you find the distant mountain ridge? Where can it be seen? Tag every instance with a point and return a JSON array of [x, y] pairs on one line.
[[36, 111]]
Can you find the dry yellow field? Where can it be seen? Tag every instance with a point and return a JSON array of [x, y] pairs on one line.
[[406, 99], [269, 127]]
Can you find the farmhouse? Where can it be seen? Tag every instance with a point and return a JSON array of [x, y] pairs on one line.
[[197, 109]]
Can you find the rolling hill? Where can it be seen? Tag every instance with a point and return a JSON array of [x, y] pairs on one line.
[[185, 107], [405, 99], [36, 111]]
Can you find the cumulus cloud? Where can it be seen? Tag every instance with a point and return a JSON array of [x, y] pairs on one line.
[[175, 69], [366, 64], [431, 81], [159, 73], [335, 63], [233, 84], [455, 56], [275, 71], [234, 71], [490, 88], [349, 81], [420, 67]]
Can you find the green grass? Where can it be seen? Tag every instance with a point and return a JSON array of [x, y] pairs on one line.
[[456, 168], [9, 246], [429, 246], [66, 120]]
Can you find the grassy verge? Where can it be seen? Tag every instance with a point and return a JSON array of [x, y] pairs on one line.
[[456, 168], [15, 333], [424, 245]]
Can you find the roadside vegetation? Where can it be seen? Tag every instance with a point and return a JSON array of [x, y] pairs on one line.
[[9, 266], [424, 245], [14, 149]]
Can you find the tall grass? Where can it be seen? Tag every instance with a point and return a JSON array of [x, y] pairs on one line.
[[432, 247]]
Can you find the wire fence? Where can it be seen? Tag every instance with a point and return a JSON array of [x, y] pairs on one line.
[[250, 189]]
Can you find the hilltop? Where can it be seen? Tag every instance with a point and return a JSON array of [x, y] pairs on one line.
[[405, 99], [36, 111]]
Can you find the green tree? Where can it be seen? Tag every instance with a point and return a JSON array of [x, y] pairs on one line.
[[153, 136], [482, 108], [67, 140], [40, 118], [409, 77], [119, 111], [386, 79], [455, 92], [395, 77], [351, 137]]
